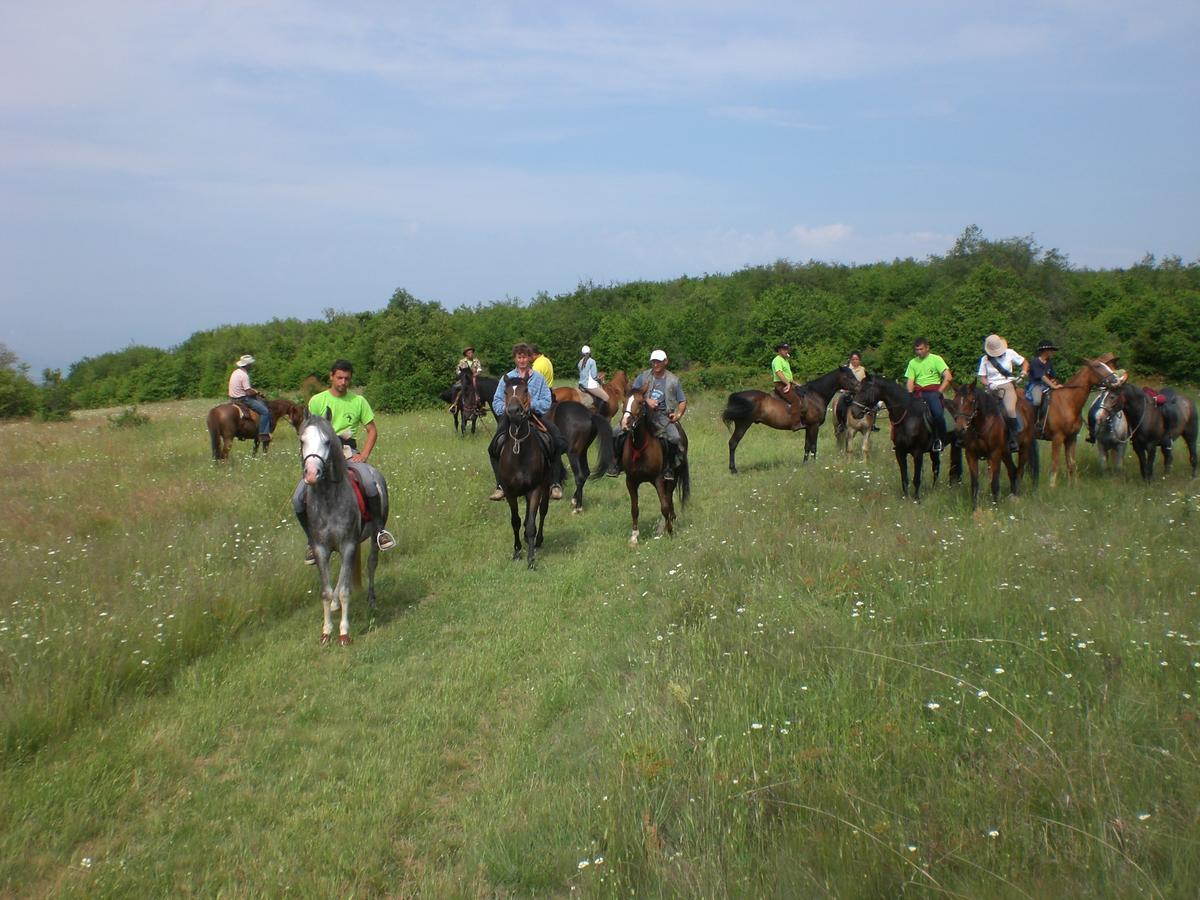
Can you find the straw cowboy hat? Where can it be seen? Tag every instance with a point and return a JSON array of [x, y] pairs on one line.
[[246, 360], [994, 345]]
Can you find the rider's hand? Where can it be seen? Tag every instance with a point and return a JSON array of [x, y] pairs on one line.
[[652, 403], [358, 457]]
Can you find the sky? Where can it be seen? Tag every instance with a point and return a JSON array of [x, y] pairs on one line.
[[170, 167]]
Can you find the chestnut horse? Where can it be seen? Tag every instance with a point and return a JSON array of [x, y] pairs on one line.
[[1153, 427], [616, 388], [642, 461], [226, 422], [1064, 418], [979, 420], [807, 411]]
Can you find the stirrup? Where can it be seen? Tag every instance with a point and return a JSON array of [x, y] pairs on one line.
[[937, 446], [384, 539]]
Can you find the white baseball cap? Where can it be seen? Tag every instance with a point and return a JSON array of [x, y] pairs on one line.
[[658, 356], [585, 349]]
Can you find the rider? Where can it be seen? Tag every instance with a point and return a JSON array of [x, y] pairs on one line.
[[781, 376], [928, 375], [241, 392], [589, 382], [471, 364], [351, 415], [1042, 380], [854, 364], [540, 401], [542, 365], [999, 369], [664, 397]]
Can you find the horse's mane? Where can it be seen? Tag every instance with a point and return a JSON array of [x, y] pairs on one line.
[[987, 403], [337, 461]]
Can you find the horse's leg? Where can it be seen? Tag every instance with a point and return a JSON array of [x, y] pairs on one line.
[[866, 443], [902, 462], [994, 461], [372, 562], [632, 487], [1069, 453], [1145, 463], [543, 507], [1015, 469], [1168, 458], [515, 518], [341, 592], [322, 555], [935, 466], [973, 466], [734, 439], [810, 440], [665, 504], [532, 501], [918, 465], [1056, 443], [580, 470]]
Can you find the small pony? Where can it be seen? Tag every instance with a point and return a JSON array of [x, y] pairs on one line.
[[979, 419]]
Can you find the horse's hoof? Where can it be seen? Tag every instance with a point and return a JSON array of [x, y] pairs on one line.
[[325, 638], [343, 640]]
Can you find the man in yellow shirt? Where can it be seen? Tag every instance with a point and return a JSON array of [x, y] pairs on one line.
[[543, 366]]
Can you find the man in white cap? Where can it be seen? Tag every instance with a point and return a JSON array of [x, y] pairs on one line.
[[664, 396], [241, 392], [589, 382], [999, 369]]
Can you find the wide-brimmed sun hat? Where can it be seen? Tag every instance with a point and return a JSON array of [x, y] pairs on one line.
[[658, 356], [994, 345], [246, 360]]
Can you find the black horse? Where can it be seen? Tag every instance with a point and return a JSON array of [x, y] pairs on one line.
[[1153, 426], [807, 410], [580, 427], [486, 387], [526, 467], [466, 405], [910, 431]]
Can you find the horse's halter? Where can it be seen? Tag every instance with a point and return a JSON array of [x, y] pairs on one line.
[[308, 437], [629, 421]]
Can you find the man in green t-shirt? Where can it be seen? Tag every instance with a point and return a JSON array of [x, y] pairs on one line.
[[781, 375], [928, 376], [350, 415]]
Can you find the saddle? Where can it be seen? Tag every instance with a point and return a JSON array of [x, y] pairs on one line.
[[1160, 400], [244, 411]]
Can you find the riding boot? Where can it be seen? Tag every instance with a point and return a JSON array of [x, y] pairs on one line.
[[618, 448], [668, 469], [494, 456], [1012, 426]]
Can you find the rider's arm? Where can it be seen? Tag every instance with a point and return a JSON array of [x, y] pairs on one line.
[[679, 411], [1025, 368], [368, 444], [947, 377], [911, 383]]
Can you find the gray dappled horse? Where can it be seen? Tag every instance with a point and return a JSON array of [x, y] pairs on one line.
[[335, 524]]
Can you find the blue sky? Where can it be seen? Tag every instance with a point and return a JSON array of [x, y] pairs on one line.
[[170, 167]]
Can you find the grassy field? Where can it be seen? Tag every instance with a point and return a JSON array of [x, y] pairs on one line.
[[815, 688]]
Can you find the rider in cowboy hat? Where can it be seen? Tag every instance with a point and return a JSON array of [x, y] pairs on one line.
[[1042, 380], [241, 392]]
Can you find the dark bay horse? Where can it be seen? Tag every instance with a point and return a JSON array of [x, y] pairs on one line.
[[910, 432], [616, 388], [807, 412], [466, 405], [1064, 418], [1153, 427], [336, 523], [485, 386], [226, 422], [526, 468], [642, 461], [580, 427], [979, 420]]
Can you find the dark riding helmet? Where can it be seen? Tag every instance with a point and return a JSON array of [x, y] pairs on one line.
[[782, 345], [1045, 345]]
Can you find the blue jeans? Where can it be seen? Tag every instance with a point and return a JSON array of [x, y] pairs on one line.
[[264, 414], [936, 411]]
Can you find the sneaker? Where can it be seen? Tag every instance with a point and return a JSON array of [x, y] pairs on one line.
[[497, 494], [310, 556], [556, 492], [384, 539]]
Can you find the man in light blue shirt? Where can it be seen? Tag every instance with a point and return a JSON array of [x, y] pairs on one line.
[[540, 401]]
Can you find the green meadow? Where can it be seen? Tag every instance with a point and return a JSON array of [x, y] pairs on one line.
[[815, 689]]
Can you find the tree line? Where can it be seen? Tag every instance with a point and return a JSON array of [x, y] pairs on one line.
[[720, 330]]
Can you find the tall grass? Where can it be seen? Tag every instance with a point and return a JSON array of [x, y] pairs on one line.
[[815, 688]]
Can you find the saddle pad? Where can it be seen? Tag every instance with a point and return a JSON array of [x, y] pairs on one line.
[[358, 494]]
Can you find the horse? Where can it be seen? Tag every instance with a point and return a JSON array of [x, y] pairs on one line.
[[466, 403], [616, 388], [1153, 426], [911, 436], [580, 427], [1064, 416], [642, 461], [226, 421], [1112, 439], [807, 411], [485, 387], [855, 419], [979, 420], [337, 521], [527, 467]]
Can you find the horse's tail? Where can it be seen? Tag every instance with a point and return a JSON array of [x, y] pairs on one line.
[[683, 480], [214, 437], [738, 408], [605, 435], [356, 572]]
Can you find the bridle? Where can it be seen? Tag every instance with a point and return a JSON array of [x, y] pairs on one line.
[[519, 415], [1115, 408]]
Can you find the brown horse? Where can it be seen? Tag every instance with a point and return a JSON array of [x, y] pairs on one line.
[[807, 410], [979, 419], [616, 387], [1064, 417], [642, 461], [226, 422]]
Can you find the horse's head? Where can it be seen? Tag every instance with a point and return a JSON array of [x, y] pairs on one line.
[[964, 406], [1103, 372], [295, 414], [635, 408], [516, 397], [868, 392], [320, 451], [847, 380], [1114, 399]]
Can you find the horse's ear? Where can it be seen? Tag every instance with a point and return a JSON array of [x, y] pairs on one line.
[[329, 414]]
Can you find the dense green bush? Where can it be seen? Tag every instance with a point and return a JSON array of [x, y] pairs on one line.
[[727, 324], [18, 395]]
